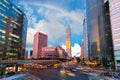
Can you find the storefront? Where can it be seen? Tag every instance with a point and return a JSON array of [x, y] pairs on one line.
[[5, 69]]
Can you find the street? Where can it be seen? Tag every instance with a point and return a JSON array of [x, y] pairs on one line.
[[54, 74]]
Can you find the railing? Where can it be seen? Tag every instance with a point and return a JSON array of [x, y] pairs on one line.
[[31, 61]]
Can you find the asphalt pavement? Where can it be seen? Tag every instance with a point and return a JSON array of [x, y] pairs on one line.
[[55, 74]]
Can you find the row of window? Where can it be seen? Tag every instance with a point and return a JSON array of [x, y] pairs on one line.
[[12, 35], [114, 5], [116, 19], [115, 16], [5, 6]]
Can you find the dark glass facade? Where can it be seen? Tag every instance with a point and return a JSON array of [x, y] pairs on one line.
[[94, 13], [108, 34], [99, 33], [13, 28]]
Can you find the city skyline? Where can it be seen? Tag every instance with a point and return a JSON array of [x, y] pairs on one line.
[[65, 40], [40, 18]]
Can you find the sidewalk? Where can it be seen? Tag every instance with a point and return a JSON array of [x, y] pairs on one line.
[[30, 77], [15, 77], [22, 76]]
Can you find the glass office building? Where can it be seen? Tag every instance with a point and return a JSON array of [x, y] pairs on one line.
[[114, 8], [13, 28], [99, 33], [93, 20], [85, 38]]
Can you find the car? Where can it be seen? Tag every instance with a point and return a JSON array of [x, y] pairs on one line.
[[73, 69]]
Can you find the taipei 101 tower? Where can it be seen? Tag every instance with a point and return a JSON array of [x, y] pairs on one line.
[[68, 41]]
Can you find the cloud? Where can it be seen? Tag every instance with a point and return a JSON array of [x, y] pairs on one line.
[[41, 10], [30, 15], [31, 22], [76, 49], [53, 23], [30, 36], [53, 29]]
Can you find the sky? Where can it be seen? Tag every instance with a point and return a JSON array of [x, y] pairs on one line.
[[52, 18]]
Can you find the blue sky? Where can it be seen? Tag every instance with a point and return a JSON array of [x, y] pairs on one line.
[[52, 17]]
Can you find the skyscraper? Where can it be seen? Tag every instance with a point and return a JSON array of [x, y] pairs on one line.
[[68, 41], [13, 29], [85, 39], [40, 40], [99, 33], [82, 51]]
